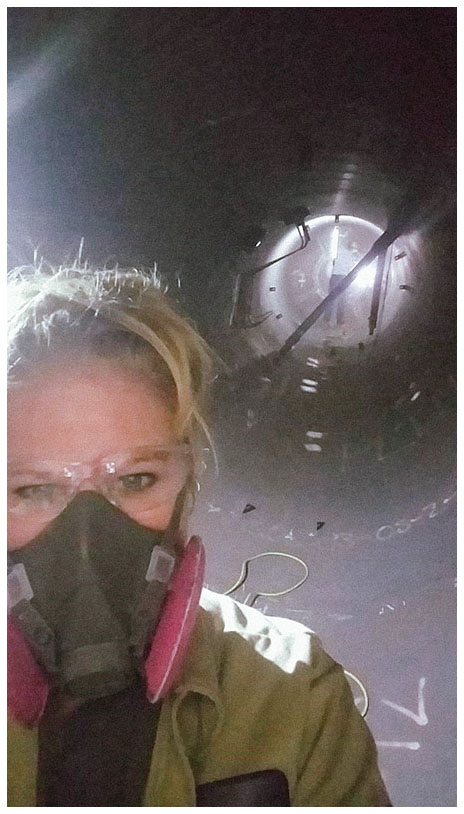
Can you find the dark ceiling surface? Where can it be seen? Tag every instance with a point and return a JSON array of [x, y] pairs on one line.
[[167, 134], [161, 133]]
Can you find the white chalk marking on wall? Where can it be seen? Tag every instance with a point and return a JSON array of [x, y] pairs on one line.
[[307, 389], [419, 717], [413, 745], [433, 509]]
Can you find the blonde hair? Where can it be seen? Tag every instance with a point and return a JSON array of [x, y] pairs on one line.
[[116, 314]]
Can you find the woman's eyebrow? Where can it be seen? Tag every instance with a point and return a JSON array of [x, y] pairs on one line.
[[30, 470], [145, 454], [148, 454]]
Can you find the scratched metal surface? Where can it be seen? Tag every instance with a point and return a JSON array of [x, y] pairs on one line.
[[382, 574]]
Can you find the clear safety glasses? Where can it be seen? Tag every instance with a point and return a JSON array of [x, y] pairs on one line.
[[137, 482]]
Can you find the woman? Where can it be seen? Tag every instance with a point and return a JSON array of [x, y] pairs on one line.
[[128, 684]]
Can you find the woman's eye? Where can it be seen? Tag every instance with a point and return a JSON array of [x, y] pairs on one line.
[[138, 482], [38, 491]]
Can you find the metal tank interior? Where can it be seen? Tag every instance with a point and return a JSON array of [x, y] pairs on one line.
[[259, 155]]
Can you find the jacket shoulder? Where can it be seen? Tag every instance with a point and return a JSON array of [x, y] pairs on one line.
[[282, 690], [283, 642]]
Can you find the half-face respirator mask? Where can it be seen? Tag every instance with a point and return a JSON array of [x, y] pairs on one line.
[[96, 598]]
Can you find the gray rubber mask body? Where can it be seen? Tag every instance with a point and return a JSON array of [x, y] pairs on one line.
[[98, 580]]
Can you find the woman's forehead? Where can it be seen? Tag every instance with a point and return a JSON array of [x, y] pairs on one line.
[[83, 409]]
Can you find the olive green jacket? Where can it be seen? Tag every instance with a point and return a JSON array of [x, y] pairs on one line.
[[257, 693]]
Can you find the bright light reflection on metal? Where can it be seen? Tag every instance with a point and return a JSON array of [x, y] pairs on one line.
[[334, 243], [366, 276]]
